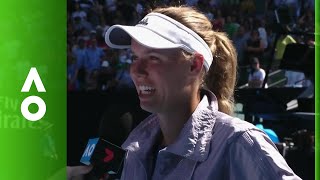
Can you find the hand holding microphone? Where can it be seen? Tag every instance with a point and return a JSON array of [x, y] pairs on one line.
[[105, 157], [73, 171]]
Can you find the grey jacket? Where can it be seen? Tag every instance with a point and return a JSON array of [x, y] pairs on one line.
[[211, 145]]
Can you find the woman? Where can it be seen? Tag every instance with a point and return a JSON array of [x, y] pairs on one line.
[[185, 74]]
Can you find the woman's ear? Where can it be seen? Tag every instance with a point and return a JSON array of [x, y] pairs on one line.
[[197, 63]]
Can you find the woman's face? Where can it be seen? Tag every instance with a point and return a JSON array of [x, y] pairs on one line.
[[160, 77]]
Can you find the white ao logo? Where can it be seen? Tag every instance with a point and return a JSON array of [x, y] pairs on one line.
[[89, 150], [33, 76]]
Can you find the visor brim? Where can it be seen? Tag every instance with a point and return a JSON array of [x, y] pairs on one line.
[[119, 37]]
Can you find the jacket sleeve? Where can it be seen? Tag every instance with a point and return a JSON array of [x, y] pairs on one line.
[[252, 155]]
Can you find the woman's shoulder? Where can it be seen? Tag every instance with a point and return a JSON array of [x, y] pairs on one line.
[[233, 130], [232, 125], [253, 150], [241, 134]]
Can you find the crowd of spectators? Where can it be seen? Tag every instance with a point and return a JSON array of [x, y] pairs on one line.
[[249, 23]]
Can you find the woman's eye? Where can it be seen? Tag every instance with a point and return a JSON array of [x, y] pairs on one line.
[[134, 58], [154, 58]]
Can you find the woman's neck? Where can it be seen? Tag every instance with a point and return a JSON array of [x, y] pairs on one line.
[[171, 123]]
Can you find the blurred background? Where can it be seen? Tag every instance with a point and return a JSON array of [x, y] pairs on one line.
[[272, 37]]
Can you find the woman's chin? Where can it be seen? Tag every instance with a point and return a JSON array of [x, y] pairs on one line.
[[148, 107]]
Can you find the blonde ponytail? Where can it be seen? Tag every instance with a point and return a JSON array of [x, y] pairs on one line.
[[221, 77]]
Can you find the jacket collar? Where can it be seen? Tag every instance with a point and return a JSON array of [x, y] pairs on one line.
[[194, 139]]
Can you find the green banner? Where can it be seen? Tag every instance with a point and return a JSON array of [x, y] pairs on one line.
[[33, 119], [317, 79]]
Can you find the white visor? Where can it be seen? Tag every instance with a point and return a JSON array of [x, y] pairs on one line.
[[159, 31]]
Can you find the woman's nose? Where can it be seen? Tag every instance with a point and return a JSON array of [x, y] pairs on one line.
[[139, 68]]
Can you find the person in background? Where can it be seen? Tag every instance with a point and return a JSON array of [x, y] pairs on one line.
[[218, 21], [78, 12], [72, 71], [256, 75], [260, 26], [230, 27], [253, 46], [239, 41], [94, 54], [123, 78]]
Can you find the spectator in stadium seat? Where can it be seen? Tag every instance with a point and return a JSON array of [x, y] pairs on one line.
[[72, 71], [218, 21], [94, 54], [78, 12], [253, 47], [80, 53], [239, 41], [123, 78], [260, 26], [256, 75]]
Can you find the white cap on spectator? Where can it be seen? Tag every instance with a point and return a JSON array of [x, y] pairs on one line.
[[159, 31], [105, 64]]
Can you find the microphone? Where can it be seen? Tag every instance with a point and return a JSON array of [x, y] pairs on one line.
[[104, 156]]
